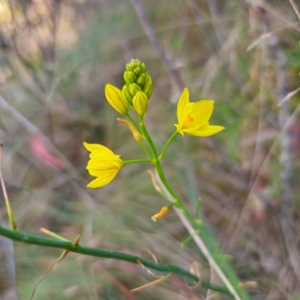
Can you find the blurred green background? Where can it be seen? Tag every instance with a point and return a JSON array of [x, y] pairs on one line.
[[55, 59]]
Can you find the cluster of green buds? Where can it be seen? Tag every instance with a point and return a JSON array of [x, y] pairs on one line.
[[137, 82], [135, 93]]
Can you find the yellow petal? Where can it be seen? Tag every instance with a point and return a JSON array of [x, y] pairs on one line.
[[201, 128], [101, 181], [210, 130], [94, 147], [179, 129], [103, 164], [103, 152], [115, 99], [99, 173], [201, 113], [185, 114], [183, 101]]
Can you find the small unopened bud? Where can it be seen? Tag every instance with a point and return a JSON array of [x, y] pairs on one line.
[[147, 89], [162, 213], [115, 99], [142, 79], [140, 102], [136, 79], [134, 88], [127, 96], [130, 77]]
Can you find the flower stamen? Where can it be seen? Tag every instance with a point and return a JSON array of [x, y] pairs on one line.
[[187, 121]]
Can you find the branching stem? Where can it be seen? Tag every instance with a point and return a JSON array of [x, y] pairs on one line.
[[179, 203], [46, 242]]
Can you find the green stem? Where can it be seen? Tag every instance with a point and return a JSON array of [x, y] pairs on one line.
[[41, 241], [167, 145], [166, 198], [54, 235], [186, 241], [136, 126], [181, 205], [149, 140], [136, 161], [145, 149], [162, 177], [161, 173]]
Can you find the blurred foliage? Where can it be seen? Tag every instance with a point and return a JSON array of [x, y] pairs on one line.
[[57, 56]]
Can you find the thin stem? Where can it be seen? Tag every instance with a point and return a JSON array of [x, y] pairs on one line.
[[41, 241], [136, 161], [136, 126], [136, 132], [54, 235], [158, 165], [186, 241], [167, 145], [161, 173], [149, 140], [145, 149]]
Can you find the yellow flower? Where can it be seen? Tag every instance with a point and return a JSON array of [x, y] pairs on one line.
[[115, 99], [103, 164], [193, 117]]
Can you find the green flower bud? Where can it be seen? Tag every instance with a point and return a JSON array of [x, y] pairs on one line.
[[134, 64], [129, 77], [115, 99], [142, 79], [136, 79], [127, 97], [134, 88], [137, 71], [130, 65], [140, 102], [147, 89]]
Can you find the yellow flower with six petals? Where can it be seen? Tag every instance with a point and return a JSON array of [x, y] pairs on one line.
[[193, 117], [103, 164]]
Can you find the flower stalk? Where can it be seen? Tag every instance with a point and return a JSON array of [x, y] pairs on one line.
[[133, 123], [167, 145], [136, 161], [198, 229], [99, 252]]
